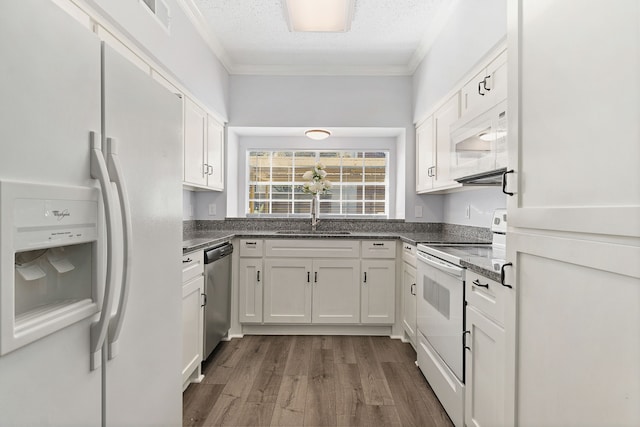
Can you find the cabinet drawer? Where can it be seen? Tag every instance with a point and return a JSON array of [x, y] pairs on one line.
[[379, 249], [409, 254], [313, 248], [251, 247], [487, 296], [192, 265]]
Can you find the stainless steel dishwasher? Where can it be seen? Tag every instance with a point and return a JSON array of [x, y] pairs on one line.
[[217, 298]]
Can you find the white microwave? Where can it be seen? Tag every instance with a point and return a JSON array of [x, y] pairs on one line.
[[479, 145]]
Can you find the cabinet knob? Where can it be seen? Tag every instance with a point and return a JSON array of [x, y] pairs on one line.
[[258, 278], [185, 261], [413, 289], [365, 277]]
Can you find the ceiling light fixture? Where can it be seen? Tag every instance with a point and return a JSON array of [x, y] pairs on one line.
[[317, 134], [319, 15]]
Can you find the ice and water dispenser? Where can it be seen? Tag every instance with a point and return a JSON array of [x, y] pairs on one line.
[[48, 260]]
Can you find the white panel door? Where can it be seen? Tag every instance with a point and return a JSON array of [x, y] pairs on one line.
[[336, 291], [409, 300], [287, 290], [574, 103], [195, 134], [50, 101], [145, 120], [250, 289], [485, 369], [425, 156], [378, 300], [443, 118], [576, 333], [215, 155], [192, 324]]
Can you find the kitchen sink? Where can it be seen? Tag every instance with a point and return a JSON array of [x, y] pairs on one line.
[[341, 233]]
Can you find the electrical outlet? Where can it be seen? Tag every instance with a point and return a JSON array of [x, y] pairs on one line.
[[418, 211], [467, 212], [191, 210], [212, 209]]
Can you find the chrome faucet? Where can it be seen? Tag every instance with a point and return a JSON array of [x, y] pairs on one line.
[[315, 211], [314, 220]]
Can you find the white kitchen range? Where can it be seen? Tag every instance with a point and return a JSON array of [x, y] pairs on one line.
[[441, 282]]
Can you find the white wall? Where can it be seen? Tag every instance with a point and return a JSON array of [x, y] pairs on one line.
[[474, 28], [182, 52], [481, 203], [329, 101]]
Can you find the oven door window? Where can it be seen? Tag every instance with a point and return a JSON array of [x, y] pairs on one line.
[[437, 296]]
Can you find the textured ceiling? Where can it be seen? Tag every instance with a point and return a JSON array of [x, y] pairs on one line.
[[386, 37]]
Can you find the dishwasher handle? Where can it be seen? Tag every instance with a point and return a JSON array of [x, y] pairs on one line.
[[217, 252]]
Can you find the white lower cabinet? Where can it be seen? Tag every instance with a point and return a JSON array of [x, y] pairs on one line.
[[485, 361], [377, 302], [336, 291], [408, 292], [192, 315], [409, 301], [316, 281], [307, 290], [250, 290], [287, 290]]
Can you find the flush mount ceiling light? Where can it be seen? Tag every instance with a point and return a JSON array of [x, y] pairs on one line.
[[319, 15], [317, 134]]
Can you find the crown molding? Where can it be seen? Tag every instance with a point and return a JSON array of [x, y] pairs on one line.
[[200, 23], [439, 21]]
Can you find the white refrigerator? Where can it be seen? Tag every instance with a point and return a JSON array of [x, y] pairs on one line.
[[90, 295]]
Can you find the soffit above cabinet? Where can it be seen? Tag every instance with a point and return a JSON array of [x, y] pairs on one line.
[[386, 37]]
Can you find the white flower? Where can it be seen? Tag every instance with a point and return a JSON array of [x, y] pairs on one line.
[[316, 181]]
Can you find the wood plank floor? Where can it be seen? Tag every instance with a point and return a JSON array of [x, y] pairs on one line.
[[312, 381]]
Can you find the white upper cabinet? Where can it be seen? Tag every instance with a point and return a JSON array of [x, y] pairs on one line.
[[203, 149], [215, 154], [433, 142], [425, 156], [486, 88], [195, 141], [574, 132]]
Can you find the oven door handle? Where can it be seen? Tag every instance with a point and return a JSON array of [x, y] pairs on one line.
[[443, 266]]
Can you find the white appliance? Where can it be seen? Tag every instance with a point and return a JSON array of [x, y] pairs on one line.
[[91, 230], [479, 147], [441, 310]]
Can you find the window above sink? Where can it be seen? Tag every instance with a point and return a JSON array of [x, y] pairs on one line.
[[360, 183]]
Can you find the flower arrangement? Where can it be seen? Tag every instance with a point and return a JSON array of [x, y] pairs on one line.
[[317, 183]]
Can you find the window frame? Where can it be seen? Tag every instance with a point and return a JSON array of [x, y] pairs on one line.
[[297, 181]]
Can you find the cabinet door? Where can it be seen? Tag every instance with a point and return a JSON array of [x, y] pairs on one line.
[[250, 290], [573, 140], [425, 160], [485, 367], [574, 340], [496, 80], [192, 318], [409, 300], [474, 95], [195, 130], [378, 300], [336, 291], [287, 290], [443, 118], [215, 155]]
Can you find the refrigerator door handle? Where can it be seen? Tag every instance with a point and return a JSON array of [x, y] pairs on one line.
[[99, 329], [115, 173]]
